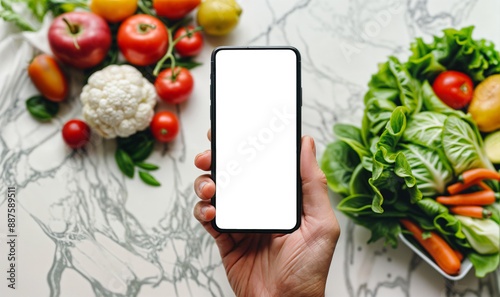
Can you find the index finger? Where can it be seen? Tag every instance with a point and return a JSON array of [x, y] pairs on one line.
[[209, 134]]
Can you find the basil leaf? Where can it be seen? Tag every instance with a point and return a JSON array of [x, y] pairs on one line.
[[41, 108], [144, 151], [138, 146], [124, 162], [148, 179], [146, 166]]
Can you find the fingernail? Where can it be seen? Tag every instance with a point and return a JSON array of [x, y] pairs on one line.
[[313, 145], [202, 185], [204, 209]]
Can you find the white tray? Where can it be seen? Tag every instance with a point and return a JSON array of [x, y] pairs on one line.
[[464, 268]]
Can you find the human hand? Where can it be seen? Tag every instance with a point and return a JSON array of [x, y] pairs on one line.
[[293, 264]]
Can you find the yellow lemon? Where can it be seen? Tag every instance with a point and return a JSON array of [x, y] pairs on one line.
[[218, 17]]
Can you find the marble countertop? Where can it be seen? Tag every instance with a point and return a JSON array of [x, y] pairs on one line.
[[86, 230]]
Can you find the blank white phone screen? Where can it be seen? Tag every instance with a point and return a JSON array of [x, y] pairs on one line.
[[256, 139]]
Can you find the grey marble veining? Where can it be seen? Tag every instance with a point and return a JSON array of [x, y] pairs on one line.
[[86, 230]]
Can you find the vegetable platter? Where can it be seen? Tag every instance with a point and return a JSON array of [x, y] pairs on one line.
[[132, 54], [423, 163]]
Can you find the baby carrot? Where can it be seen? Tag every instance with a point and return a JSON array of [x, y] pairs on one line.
[[471, 211], [478, 174], [476, 198], [459, 255], [459, 186], [445, 257]]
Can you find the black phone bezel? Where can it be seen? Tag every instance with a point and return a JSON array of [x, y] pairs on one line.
[[298, 138]]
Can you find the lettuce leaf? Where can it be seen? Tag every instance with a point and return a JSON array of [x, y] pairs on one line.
[[338, 163], [456, 50], [462, 146], [425, 129], [484, 264], [430, 169]]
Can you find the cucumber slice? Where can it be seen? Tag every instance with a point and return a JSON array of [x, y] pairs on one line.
[[492, 147]]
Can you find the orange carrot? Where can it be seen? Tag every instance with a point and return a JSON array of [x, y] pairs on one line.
[[459, 255], [476, 198], [484, 186], [471, 211], [445, 257], [478, 174], [459, 186]]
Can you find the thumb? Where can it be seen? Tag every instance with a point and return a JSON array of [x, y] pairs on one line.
[[315, 200]]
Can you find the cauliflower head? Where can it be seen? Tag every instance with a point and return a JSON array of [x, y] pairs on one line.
[[118, 101]]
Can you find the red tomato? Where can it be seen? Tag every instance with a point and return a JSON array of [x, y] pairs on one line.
[[176, 89], [174, 9], [142, 39], [454, 88], [76, 133], [188, 45], [48, 78], [165, 126]]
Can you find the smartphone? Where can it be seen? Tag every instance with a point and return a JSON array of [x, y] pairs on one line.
[[255, 117]]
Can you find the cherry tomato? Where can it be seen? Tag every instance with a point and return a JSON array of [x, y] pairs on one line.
[[176, 89], [113, 10], [76, 133], [142, 39], [48, 78], [188, 45], [165, 126], [454, 88], [174, 9]]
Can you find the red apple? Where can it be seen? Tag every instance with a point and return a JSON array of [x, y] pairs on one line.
[[80, 39]]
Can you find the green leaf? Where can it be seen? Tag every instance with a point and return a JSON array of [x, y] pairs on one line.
[[9, 15], [39, 8], [425, 128], [426, 235], [124, 162], [41, 108], [484, 264], [393, 132], [377, 112], [380, 227], [431, 208], [359, 181], [429, 167], [355, 203], [433, 103], [456, 50], [482, 234], [338, 163], [146, 166], [352, 136], [409, 89], [462, 147], [139, 146], [383, 85], [148, 179], [449, 225]]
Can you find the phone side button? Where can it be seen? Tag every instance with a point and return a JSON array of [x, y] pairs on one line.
[[210, 111]]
